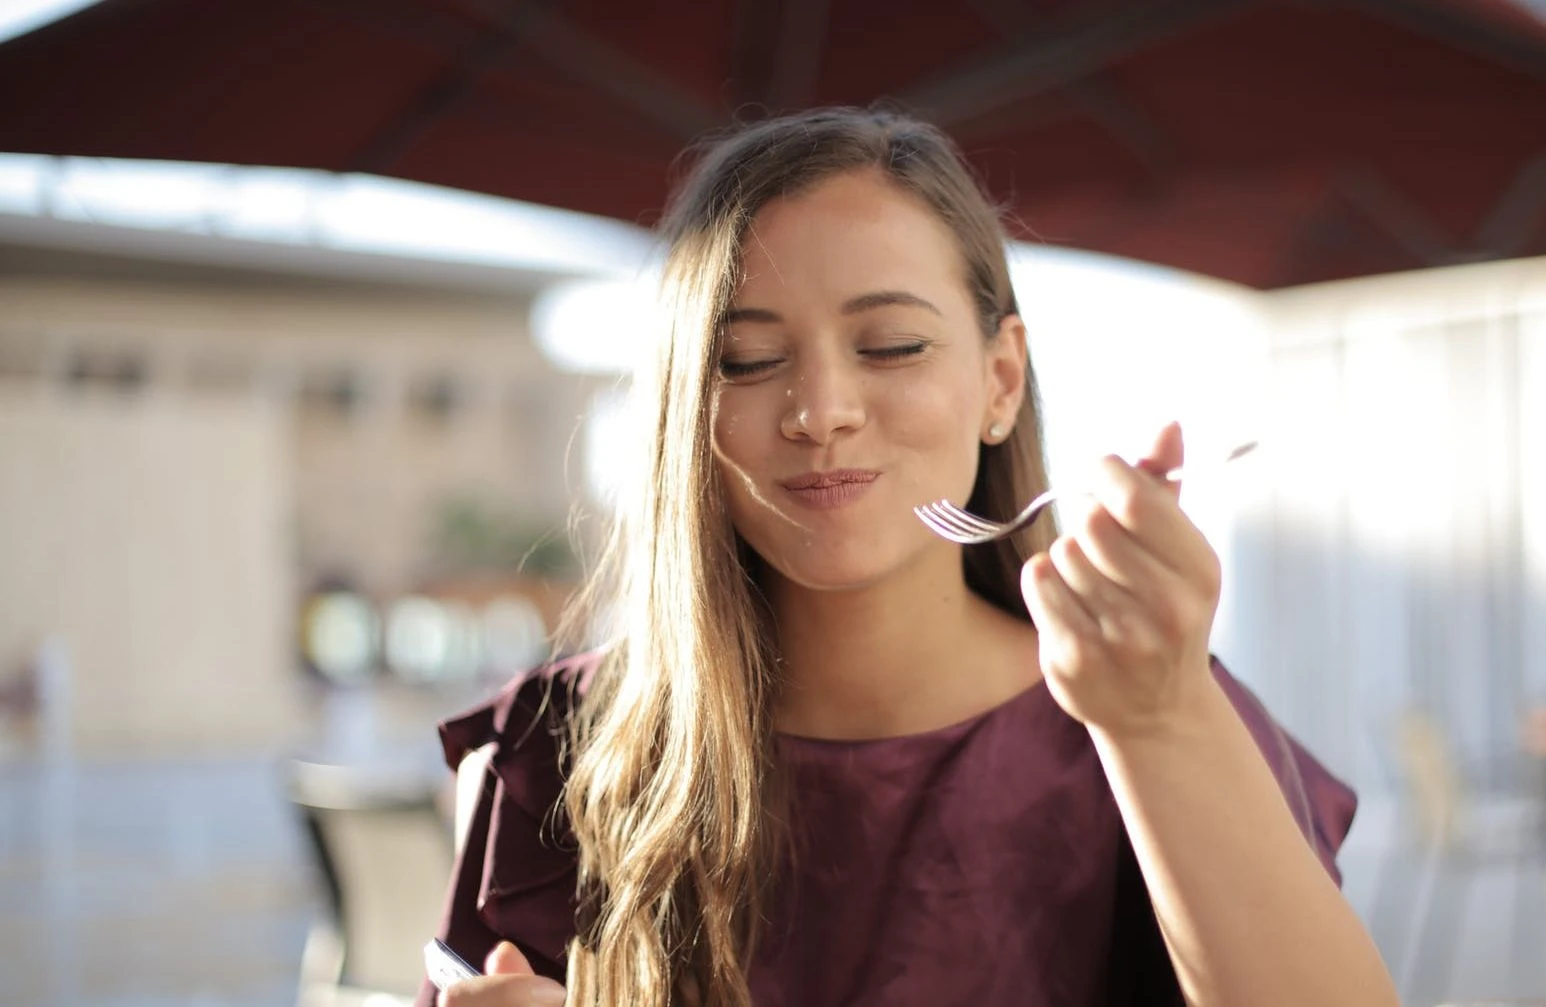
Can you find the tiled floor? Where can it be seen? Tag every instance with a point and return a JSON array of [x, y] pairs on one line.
[[187, 885], [150, 884]]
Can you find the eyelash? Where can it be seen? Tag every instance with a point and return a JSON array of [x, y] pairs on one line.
[[896, 352], [736, 369]]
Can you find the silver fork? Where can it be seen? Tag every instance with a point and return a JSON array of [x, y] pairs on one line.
[[947, 520]]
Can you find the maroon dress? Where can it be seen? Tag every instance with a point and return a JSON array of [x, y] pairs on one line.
[[982, 863]]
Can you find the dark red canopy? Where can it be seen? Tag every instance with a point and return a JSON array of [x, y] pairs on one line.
[[1271, 143]]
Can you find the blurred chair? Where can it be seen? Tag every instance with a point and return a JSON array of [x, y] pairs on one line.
[[35, 708], [19, 706], [1453, 843], [383, 852]]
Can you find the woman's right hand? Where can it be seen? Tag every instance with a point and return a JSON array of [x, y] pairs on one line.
[[508, 981]]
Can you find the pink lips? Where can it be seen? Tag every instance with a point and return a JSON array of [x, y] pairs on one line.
[[828, 490]]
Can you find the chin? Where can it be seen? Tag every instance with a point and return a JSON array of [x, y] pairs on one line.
[[833, 581], [841, 569]]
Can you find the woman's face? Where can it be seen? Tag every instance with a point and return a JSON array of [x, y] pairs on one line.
[[855, 382]]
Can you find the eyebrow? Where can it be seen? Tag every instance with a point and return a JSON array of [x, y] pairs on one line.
[[852, 306]]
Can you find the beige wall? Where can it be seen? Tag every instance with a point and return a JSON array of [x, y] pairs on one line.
[[165, 532], [148, 537]]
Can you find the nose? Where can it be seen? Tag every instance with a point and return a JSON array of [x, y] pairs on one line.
[[823, 400]]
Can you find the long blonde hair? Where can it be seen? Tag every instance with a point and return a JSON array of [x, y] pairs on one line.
[[674, 795]]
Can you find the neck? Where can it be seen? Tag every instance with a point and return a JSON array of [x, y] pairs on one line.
[[916, 652]]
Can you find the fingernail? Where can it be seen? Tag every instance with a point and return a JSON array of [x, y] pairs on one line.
[[546, 991]]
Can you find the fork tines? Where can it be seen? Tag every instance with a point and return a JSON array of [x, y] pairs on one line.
[[951, 522]]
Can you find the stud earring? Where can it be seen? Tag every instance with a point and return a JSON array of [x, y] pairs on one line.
[[996, 432]]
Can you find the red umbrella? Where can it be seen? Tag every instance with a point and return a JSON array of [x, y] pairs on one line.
[[1271, 143]]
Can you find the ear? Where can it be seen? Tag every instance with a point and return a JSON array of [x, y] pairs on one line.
[[1004, 374]]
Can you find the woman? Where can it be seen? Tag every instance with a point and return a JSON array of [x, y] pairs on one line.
[[837, 760]]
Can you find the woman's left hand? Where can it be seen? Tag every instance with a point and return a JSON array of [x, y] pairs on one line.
[[1124, 602]]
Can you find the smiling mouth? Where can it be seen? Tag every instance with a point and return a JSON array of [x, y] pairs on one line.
[[830, 490], [829, 480]]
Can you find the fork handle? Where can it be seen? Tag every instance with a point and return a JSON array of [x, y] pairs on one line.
[[1174, 475]]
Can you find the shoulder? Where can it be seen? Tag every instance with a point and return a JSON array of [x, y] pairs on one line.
[[542, 696], [515, 873], [1322, 804], [520, 729]]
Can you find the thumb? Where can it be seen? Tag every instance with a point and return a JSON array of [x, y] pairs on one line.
[[506, 960], [1167, 453]]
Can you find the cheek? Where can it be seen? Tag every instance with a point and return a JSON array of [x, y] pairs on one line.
[[734, 428], [736, 449], [935, 415], [936, 423]]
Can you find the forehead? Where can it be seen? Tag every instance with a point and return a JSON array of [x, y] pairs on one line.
[[849, 234]]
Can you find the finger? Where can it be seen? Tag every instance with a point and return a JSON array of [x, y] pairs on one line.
[[1121, 620], [504, 991], [1055, 611], [1151, 514], [506, 960], [1096, 592], [1166, 454], [1121, 558]]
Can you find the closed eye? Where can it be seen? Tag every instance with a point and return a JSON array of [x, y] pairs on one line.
[[732, 370], [897, 352]]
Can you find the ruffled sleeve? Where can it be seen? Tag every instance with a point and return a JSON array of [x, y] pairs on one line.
[[515, 876], [1322, 805]]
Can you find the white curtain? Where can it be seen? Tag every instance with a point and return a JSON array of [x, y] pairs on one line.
[[1390, 554]]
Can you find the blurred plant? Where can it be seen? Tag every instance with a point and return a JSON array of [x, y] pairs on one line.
[[474, 536]]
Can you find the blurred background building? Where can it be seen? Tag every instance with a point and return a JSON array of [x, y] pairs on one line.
[[191, 440], [270, 502], [288, 455]]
